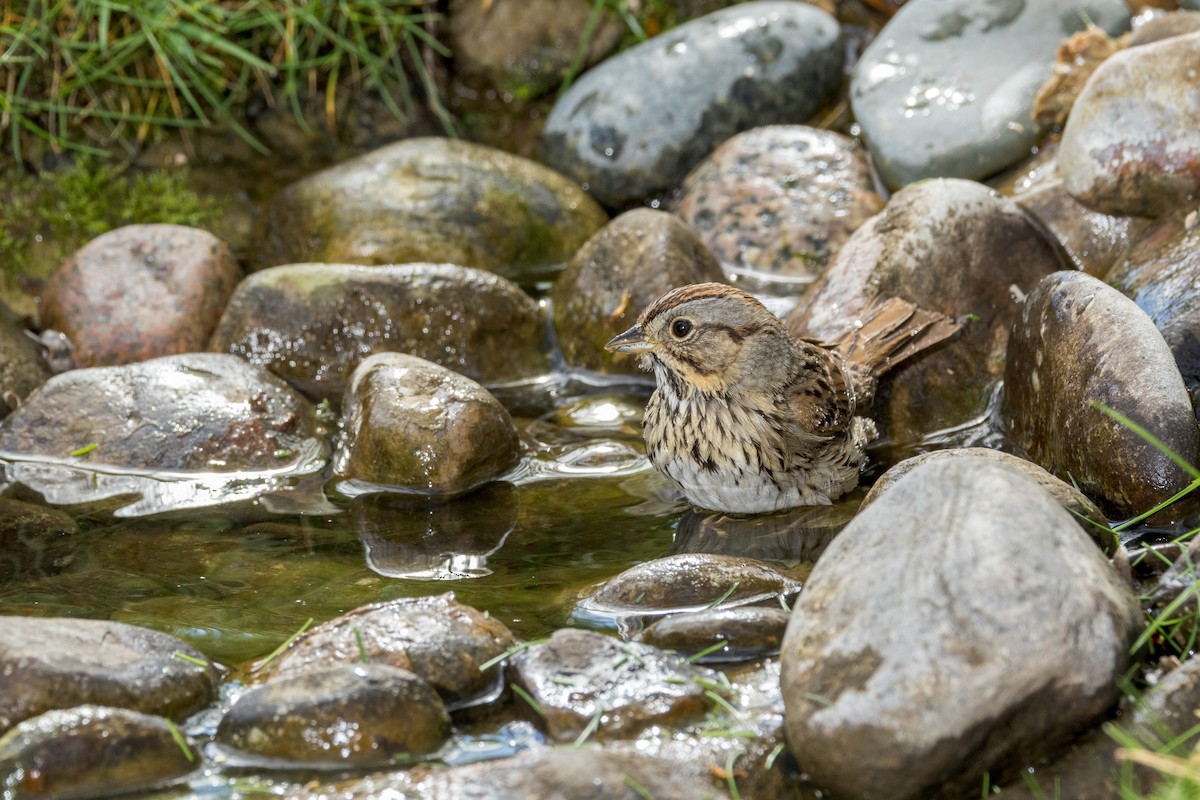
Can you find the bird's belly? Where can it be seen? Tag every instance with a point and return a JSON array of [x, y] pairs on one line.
[[738, 491]]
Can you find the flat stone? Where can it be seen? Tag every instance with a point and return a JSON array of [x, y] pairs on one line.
[[945, 89], [635, 124]]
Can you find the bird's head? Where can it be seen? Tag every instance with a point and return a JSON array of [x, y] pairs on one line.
[[710, 336]]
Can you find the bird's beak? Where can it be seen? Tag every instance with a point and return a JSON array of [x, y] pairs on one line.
[[631, 341]]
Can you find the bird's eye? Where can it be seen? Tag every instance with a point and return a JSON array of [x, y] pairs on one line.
[[681, 328]]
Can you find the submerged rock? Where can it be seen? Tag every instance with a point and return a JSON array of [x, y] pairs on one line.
[[634, 125], [967, 576], [780, 200], [583, 681], [361, 715], [140, 292], [34, 540], [437, 638], [1132, 143], [413, 425], [430, 200], [48, 663], [625, 267], [1079, 343], [312, 324], [92, 751], [945, 89], [947, 245]]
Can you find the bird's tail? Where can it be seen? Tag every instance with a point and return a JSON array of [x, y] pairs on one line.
[[888, 331]]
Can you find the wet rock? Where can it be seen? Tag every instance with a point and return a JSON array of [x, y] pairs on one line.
[[526, 48], [620, 271], [92, 751], [586, 681], [1094, 242], [1079, 342], [48, 663], [689, 582], [1176, 589], [362, 715], [22, 367], [34, 540], [196, 411], [1132, 144], [1162, 275], [430, 199], [797, 535], [779, 200], [945, 88], [971, 579], [435, 637], [587, 772], [950, 246], [140, 292], [403, 538], [1164, 26], [312, 324], [1091, 520], [633, 126], [413, 425], [741, 633]]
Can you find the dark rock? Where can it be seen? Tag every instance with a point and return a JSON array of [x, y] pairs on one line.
[[625, 267], [140, 292], [971, 579], [1090, 519], [584, 681], [1094, 242], [22, 366], [633, 126], [48, 663], [780, 200], [430, 199], [365, 714], [92, 751], [1132, 143], [798, 535], [435, 637], [312, 324], [944, 90], [1079, 342], [413, 425], [526, 48], [689, 582], [403, 538], [1162, 275], [950, 246], [34, 540], [190, 412], [743, 633]]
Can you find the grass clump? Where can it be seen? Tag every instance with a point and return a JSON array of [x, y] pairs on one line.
[[84, 75]]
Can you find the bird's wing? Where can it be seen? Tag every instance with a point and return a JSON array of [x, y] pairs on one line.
[[820, 399]]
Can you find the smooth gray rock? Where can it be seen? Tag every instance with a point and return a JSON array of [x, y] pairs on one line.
[[634, 125], [411, 424], [961, 624], [1077, 343], [946, 87], [1132, 142]]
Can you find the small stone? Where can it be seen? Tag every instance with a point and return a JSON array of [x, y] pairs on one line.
[[140, 292], [22, 366], [92, 751], [616, 275], [34, 540], [1079, 343], [364, 714], [738, 634]]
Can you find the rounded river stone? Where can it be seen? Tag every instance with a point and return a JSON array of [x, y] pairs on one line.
[[430, 200], [742, 633], [48, 663], [22, 366], [635, 124], [961, 624], [353, 714], [1093, 241], [412, 424], [312, 324], [616, 275], [140, 292], [1079, 344], [34, 540]]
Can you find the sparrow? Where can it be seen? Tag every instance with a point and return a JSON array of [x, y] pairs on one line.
[[746, 418]]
